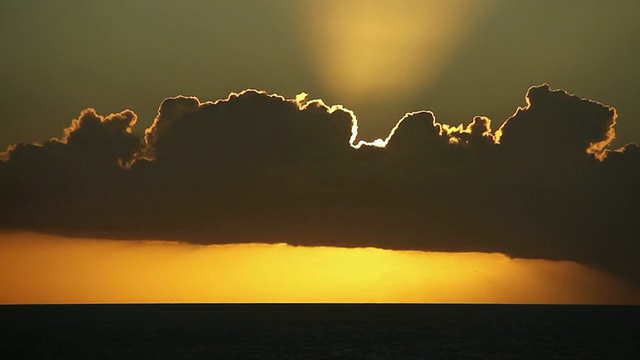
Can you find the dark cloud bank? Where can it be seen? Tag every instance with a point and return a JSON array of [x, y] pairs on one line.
[[260, 168]]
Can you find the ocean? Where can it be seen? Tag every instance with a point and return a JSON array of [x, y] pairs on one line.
[[319, 331]]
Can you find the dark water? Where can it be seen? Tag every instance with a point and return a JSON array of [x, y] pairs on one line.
[[319, 332]]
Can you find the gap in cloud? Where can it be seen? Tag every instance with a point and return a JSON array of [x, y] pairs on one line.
[[376, 55]]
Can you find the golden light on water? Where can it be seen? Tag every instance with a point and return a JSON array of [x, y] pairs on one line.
[[377, 49], [47, 269]]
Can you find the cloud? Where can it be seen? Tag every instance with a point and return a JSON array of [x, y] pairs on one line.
[[252, 131], [258, 167], [45, 185]]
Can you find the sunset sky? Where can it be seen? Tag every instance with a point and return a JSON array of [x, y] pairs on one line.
[[394, 151]]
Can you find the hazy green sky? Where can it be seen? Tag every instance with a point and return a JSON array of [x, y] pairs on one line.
[[379, 58]]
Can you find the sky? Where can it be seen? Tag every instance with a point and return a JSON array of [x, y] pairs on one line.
[[380, 59], [404, 134]]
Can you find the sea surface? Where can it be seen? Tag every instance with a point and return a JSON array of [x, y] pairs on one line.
[[319, 331]]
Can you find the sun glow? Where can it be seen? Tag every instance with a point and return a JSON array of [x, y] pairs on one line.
[[375, 49], [47, 269]]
